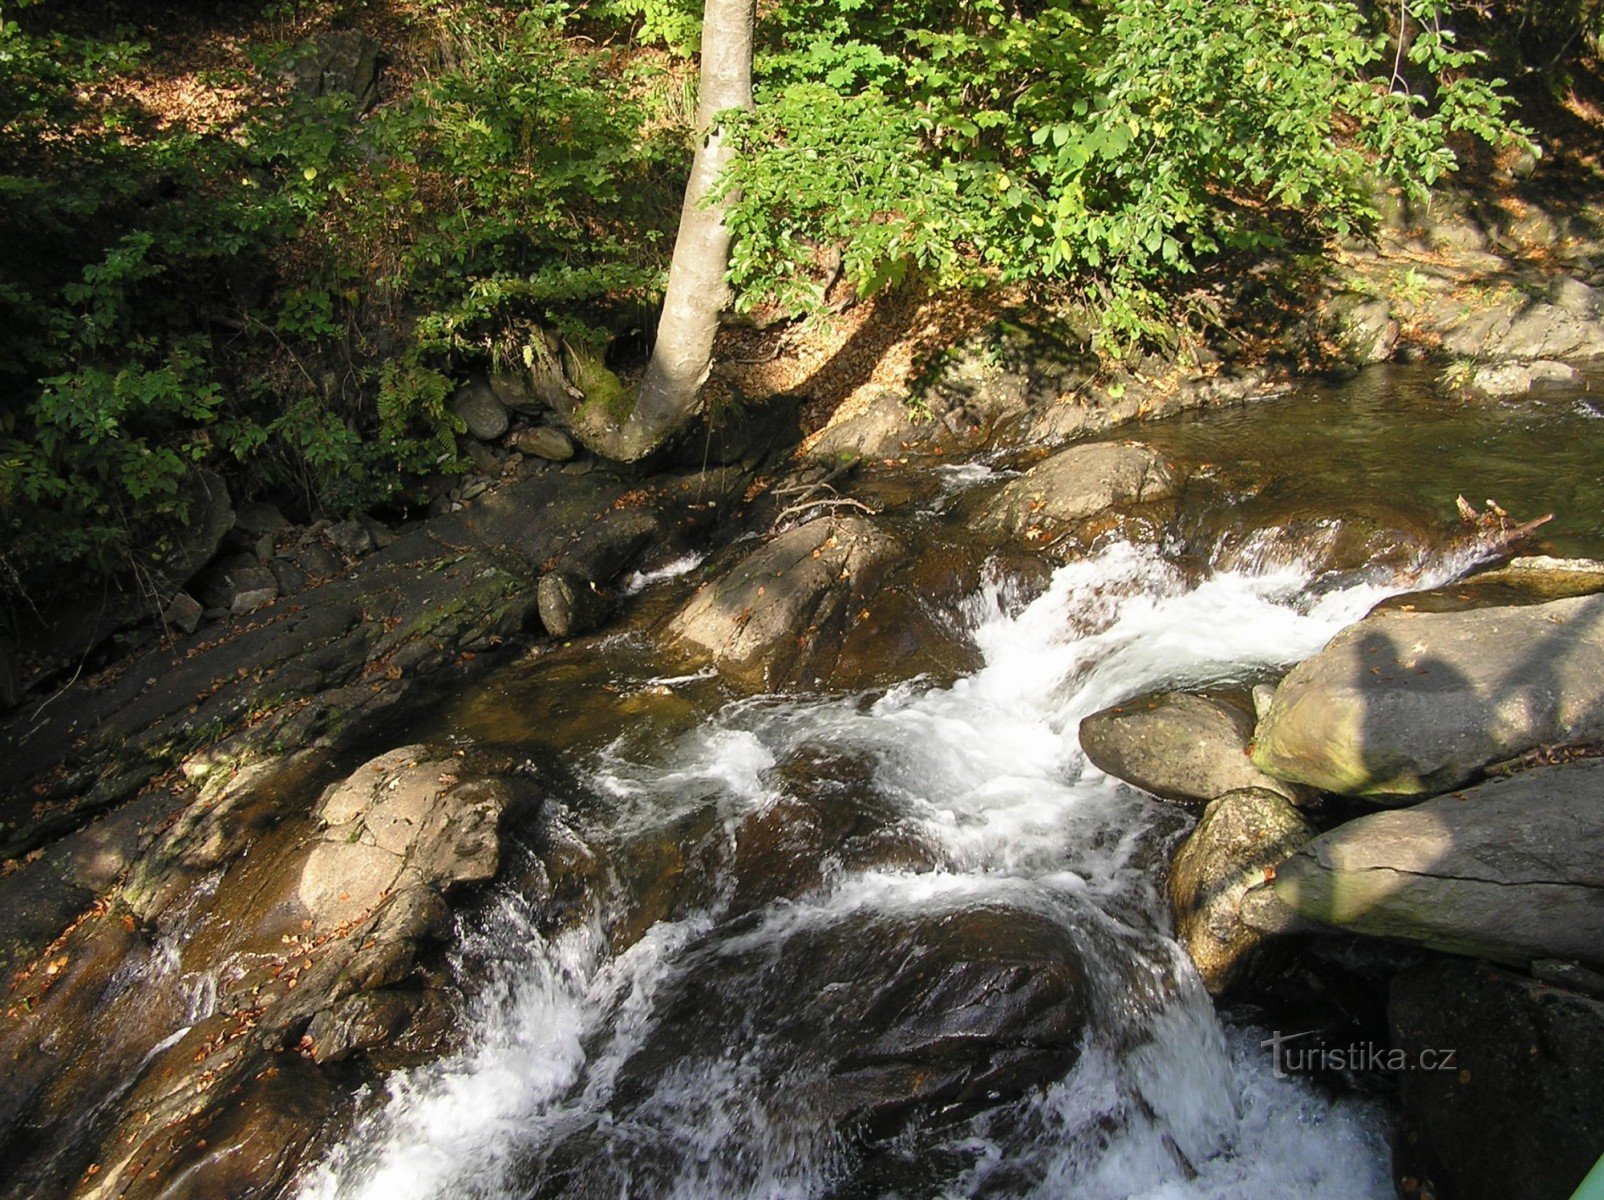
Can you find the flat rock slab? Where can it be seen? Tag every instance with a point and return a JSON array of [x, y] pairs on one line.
[[1511, 870], [355, 646], [1408, 704]]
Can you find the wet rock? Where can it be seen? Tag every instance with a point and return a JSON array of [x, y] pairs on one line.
[[665, 872], [571, 605], [183, 613], [1405, 704], [1076, 484], [481, 410], [100, 1034], [1511, 870], [360, 1022], [910, 625], [574, 597], [783, 608], [1518, 1112], [863, 1022], [249, 1146], [39, 903], [1385, 545], [544, 442], [1498, 381], [1180, 746], [829, 818], [403, 819], [1240, 837]]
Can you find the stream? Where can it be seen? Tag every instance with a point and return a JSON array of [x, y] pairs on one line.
[[907, 941]]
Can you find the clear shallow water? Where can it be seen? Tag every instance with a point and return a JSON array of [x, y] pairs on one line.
[[1162, 1102], [1388, 440]]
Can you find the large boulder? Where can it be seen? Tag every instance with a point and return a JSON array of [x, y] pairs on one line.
[[1180, 746], [785, 607], [1517, 1111], [406, 819], [1076, 485], [1405, 704], [481, 410], [850, 1028], [1511, 870], [1242, 837]]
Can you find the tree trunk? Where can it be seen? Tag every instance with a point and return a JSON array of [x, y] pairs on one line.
[[696, 293]]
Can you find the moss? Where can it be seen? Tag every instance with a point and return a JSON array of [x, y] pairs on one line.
[[607, 400]]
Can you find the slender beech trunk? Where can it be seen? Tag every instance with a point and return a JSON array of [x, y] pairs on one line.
[[696, 293]]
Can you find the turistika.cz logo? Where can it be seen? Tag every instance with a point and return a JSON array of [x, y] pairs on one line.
[[1292, 1055]]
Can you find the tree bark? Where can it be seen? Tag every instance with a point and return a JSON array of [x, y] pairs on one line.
[[697, 292]]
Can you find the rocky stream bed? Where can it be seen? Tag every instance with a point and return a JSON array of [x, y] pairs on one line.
[[934, 825]]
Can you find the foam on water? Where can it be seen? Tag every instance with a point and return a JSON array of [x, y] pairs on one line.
[[991, 770], [639, 581]]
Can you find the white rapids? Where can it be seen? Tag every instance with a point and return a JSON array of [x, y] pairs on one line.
[[991, 769]]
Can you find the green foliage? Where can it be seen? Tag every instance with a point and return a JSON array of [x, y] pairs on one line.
[[527, 178], [285, 300], [676, 24], [1113, 146], [819, 167]]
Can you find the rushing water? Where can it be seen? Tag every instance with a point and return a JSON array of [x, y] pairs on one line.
[[990, 770], [573, 1082]]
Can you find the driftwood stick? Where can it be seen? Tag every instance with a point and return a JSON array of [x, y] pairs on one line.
[[831, 503]]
